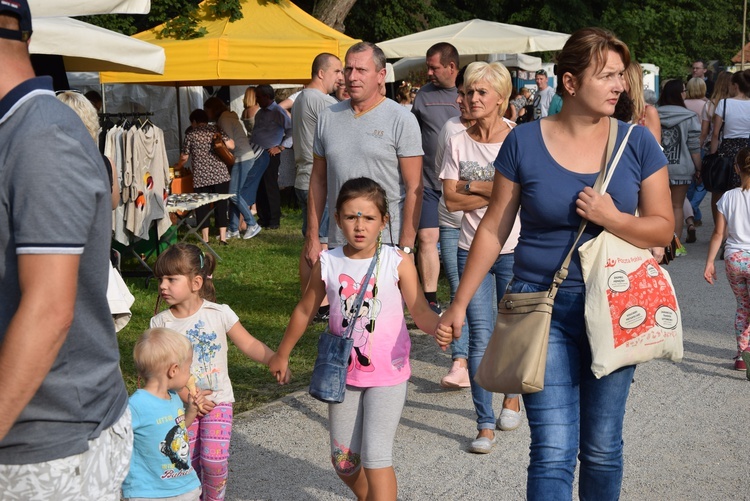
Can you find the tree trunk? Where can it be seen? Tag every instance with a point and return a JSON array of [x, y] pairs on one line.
[[333, 12]]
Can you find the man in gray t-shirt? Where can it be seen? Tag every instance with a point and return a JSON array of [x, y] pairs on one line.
[[367, 135], [434, 105], [63, 405], [327, 76]]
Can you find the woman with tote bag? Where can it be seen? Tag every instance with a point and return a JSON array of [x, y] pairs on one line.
[[547, 169]]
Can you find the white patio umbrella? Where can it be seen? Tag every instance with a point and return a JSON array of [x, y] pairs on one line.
[[403, 67], [61, 8], [476, 37], [86, 47]]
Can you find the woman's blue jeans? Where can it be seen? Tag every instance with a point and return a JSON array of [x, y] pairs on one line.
[[449, 255], [239, 204], [481, 315], [249, 189], [575, 414], [695, 195]]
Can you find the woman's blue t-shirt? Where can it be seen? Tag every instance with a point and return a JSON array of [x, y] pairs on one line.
[[549, 222]]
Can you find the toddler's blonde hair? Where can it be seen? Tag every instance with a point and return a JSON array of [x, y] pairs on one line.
[[158, 348]]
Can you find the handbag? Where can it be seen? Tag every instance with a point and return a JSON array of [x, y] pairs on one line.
[[631, 310], [328, 381], [516, 355], [670, 251], [221, 150], [716, 170]]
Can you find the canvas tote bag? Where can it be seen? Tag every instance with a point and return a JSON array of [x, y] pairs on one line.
[[632, 315], [516, 355]]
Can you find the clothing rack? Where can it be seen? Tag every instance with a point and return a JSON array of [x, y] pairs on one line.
[[135, 114], [141, 120]]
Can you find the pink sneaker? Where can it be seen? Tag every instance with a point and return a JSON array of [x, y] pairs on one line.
[[457, 377]]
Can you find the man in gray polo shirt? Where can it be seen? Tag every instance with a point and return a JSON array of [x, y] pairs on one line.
[[65, 429], [366, 135]]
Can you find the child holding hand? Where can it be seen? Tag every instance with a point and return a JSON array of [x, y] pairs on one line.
[[363, 426], [185, 277], [733, 219], [160, 466]]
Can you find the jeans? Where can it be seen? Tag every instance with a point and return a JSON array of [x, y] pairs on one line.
[[481, 315], [249, 189], [239, 205], [695, 194], [449, 254], [575, 412], [323, 227]]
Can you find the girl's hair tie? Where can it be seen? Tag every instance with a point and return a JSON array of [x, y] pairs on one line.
[[210, 276]]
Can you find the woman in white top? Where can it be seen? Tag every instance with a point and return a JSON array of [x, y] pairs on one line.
[[735, 119], [467, 173], [245, 155], [734, 219], [721, 91]]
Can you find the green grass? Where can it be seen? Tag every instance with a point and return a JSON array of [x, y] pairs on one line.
[[258, 279]]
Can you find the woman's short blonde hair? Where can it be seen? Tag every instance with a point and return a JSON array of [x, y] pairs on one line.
[[84, 109], [696, 88], [495, 74], [158, 348]]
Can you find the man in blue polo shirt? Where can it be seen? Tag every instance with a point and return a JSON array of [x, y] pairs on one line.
[[65, 429]]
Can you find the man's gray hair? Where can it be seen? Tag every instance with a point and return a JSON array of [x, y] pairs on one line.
[[377, 53]]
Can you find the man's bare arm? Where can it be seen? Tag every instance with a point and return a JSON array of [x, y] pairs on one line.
[[316, 202], [411, 172], [37, 330]]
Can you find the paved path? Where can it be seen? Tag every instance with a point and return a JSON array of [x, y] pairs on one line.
[[686, 434]]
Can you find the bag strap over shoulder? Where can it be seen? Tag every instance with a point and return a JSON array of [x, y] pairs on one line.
[[600, 185]]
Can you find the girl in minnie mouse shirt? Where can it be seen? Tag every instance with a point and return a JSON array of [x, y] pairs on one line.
[[363, 426]]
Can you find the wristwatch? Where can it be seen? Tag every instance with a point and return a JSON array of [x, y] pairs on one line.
[[406, 249], [467, 187]]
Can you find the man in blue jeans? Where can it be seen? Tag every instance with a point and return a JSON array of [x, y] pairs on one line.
[[273, 133]]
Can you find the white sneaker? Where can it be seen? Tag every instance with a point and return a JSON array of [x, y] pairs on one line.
[[232, 234], [251, 231], [457, 377]]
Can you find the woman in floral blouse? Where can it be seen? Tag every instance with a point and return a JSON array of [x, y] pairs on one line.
[[210, 174]]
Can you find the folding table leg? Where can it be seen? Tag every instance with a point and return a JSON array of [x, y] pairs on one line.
[[194, 231]]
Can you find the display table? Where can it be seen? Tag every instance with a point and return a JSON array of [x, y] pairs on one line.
[[184, 205]]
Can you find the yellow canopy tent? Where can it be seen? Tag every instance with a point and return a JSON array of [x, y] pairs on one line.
[[272, 43]]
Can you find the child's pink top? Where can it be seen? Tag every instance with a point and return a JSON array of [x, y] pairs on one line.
[[380, 356]]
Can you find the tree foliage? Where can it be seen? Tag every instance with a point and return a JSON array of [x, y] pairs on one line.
[[668, 34]]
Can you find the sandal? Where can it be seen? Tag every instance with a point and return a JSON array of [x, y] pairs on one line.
[[690, 234]]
